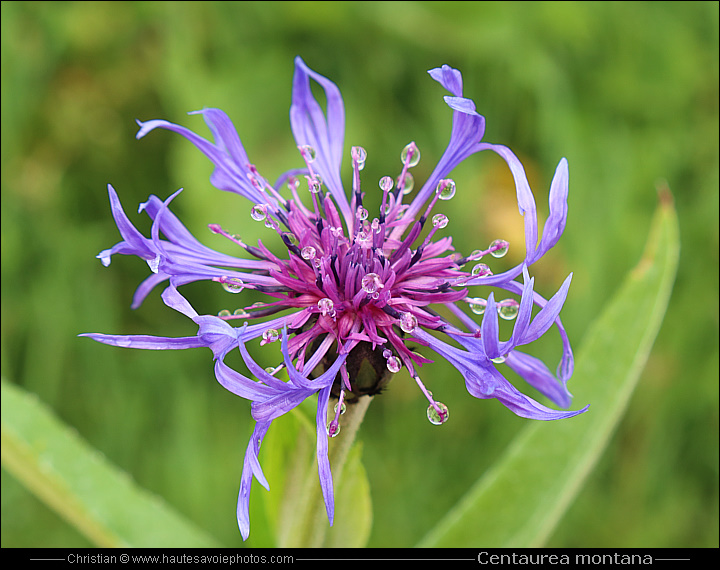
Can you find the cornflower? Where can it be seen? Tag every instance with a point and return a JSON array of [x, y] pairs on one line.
[[351, 289]]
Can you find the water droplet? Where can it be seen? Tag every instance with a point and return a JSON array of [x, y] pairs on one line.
[[291, 237], [308, 252], [308, 153], [371, 282], [293, 183], [499, 359], [270, 335], [359, 155], [257, 184], [477, 306], [232, 285], [363, 239], [386, 184], [445, 189], [440, 220], [314, 185], [408, 184], [215, 228], [408, 322], [333, 429], [224, 313], [410, 155], [499, 248], [325, 305], [476, 255], [241, 313], [361, 213], [387, 353], [508, 309], [270, 370], [258, 212], [438, 418], [481, 270], [394, 364], [343, 407]]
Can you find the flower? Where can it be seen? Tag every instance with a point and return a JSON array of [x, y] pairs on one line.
[[351, 289]]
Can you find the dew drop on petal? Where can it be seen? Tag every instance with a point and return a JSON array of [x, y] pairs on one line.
[[481, 270], [386, 184], [445, 189], [408, 322], [333, 429], [477, 306], [410, 155], [291, 237], [293, 183], [361, 213], [363, 239], [387, 353], [257, 184], [359, 155], [371, 282], [325, 305], [499, 359], [435, 417], [258, 212], [499, 248], [394, 364], [215, 228], [233, 285], [270, 335], [439, 220], [224, 313], [408, 183], [314, 185], [241, 313], [343, 407], [308, 153], [308, 252], [508, 309]]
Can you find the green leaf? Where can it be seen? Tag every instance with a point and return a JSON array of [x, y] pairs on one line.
[[75, 480], [518, 502]]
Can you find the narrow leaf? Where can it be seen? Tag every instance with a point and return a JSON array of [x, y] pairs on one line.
[[63, 471], [519, 501]]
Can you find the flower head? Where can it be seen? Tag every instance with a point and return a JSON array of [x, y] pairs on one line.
[[352, 291]]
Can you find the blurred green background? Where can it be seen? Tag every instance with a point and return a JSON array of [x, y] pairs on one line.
[[628, 92]]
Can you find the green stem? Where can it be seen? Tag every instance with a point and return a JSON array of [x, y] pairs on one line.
[[339, 448], [304, 521]]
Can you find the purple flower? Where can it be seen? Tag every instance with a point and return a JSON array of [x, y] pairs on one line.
[[351, 288]]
